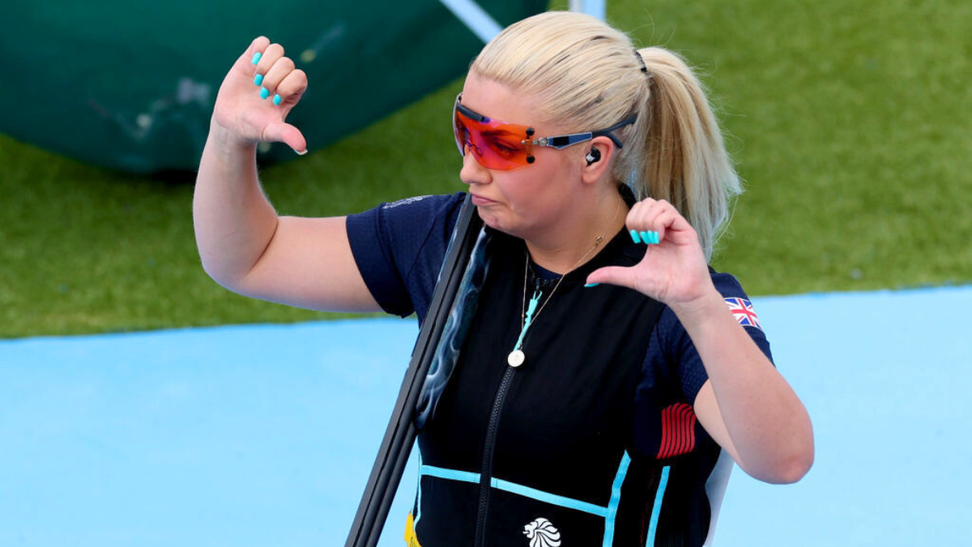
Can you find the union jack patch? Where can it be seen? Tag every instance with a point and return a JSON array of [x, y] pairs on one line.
[[742, 310]]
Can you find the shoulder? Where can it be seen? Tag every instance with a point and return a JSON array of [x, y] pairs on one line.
[[674, 341], [433, 203], [430, 207], [399, 247], [726, 284], [405, 225], [737, 300]]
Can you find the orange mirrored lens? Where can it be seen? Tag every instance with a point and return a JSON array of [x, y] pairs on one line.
[[495, 144]]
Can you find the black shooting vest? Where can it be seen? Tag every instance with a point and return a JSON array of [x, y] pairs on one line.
[[541, 455]]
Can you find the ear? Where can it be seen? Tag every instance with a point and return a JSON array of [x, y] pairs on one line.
[[601, 150]]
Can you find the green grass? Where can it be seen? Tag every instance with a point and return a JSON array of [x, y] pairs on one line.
[[851, 127], [848, 121]]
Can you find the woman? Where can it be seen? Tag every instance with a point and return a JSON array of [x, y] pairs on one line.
[[610, 374]]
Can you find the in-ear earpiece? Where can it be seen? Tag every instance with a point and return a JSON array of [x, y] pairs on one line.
[[593, 156]]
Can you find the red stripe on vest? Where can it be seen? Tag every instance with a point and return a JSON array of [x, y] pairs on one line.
[[678, 430]]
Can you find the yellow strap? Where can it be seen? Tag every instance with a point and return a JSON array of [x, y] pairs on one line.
[[410, 539]]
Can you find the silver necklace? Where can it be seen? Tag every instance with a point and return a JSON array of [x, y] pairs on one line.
[[529, 314]]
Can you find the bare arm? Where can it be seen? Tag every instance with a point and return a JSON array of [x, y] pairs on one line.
[[242, 242], [746, 405]]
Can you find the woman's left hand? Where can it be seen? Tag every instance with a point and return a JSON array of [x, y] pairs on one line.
[[775, 446], [674, 270]]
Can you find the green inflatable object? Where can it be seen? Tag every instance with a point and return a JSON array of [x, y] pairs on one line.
[[131, 86]]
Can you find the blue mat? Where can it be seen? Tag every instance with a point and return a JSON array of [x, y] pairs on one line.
[[265, 435]]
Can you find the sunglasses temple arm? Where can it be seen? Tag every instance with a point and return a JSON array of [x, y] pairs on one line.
[[607, 132]]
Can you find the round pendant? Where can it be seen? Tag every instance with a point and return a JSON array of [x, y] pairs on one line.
[[516, 358]]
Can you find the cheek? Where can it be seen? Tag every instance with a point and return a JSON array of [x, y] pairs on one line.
[[532, 196]]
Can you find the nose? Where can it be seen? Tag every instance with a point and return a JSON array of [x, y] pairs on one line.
[[472, 172]]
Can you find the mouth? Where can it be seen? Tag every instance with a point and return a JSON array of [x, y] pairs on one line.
[[479, 200]]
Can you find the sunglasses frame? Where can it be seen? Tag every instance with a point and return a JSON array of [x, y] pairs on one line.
[[556, 141]]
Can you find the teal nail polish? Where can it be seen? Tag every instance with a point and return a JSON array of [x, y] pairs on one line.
[[634, 236], [258, 80], [276, 99], [589, 285], [655, 238], [256, 58], [646, 238], [264, 93]]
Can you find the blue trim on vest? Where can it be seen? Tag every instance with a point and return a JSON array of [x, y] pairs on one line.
[[656, 508], [526, 491], [612, 509], [547, 497], [451, 474]]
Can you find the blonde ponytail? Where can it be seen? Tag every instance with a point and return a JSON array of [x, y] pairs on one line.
[[685, 160]]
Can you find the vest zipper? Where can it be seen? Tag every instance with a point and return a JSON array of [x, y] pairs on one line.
[[487, 474], [485, 478]]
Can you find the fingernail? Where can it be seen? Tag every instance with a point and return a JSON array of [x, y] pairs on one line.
[[264, 93], [634, 236], [299, 153], [655, 238], [258, 80], [646, 238], [589, 285], [276, 99], [256, 58]]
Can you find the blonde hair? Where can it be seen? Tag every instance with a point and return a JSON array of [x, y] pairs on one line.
[[588, 76]]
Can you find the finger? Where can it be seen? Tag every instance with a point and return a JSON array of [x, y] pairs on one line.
[[631, 220], [638, 209], [254, 51], [280, 70], [270, 55], [672, 225], [287, 134], [613, 275], [639, 214], [292, 87], [665, 221], [639, 222], [655, 219]]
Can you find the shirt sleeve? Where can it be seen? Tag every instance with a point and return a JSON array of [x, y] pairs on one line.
[[399, 248], [673, 372]]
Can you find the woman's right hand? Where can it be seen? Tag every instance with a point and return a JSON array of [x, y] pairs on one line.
[[245, 114]]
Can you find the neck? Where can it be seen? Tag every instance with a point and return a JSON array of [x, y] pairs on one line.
[[572, 242]]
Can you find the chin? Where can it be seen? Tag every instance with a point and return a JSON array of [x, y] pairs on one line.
[[494, 221], [488, 218]]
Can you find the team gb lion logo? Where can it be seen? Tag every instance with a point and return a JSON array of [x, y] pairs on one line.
[[542, 533]]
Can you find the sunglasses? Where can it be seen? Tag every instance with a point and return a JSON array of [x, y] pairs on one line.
[[504, 146]]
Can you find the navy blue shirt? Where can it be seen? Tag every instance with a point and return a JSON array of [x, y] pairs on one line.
[[399, 248]]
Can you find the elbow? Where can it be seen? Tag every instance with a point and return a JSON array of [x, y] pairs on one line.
[[792, 470], [212, 268], [232, 283], [786, 469], [219, 272]]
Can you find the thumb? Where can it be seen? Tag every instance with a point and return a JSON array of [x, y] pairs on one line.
[[614, 275], [287, 134]]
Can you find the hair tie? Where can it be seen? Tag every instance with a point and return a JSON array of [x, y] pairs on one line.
[[641, 61]]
